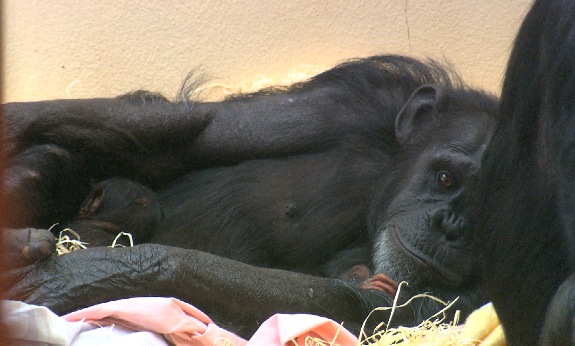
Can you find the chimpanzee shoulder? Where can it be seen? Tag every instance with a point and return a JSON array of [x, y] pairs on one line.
[[376, 88]]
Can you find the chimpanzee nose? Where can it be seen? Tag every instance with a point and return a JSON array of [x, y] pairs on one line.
[[447, 221]]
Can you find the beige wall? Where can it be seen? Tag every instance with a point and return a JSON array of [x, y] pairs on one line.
[[92, 48]]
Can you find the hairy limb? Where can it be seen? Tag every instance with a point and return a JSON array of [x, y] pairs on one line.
[[230, 292], [158, 141], [111, 136]]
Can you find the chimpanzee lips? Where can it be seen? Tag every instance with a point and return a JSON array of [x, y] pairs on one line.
[[448, 275]]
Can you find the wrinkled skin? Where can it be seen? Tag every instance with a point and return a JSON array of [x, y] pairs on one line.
[[263, 196], [214, 284], [25, 246], [526, 193]]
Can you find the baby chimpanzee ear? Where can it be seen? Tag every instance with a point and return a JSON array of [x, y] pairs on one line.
[[417, 112], [92, 203]]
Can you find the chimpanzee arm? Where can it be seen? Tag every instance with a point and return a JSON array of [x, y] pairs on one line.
[[147, 136], [278, 125], [56, 148], [93, 124], [228, 291]]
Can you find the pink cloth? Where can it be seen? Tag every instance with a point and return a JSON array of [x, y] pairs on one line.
[[280, 330], [183, 324]]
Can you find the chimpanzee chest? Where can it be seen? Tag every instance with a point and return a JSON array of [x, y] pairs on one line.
[[322, 198]]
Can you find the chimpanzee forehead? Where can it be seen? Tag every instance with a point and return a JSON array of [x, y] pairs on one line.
[[468, 134]]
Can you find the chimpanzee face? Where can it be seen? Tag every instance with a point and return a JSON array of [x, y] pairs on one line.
[[422, 238]]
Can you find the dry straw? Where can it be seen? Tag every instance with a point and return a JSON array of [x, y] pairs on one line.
[[67, 244], [68, 241]]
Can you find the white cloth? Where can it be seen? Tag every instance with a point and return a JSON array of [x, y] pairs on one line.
[[33, 325]]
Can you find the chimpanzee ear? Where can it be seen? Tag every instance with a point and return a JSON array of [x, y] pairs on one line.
[[92, 203], [417, 112]]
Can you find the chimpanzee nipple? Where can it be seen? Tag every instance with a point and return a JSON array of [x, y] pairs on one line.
[[291, 209]]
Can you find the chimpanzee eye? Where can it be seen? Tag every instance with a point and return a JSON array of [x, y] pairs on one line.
[[445, 179]]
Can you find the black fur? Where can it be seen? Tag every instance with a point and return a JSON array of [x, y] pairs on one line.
[[527, 191], [376, 153]]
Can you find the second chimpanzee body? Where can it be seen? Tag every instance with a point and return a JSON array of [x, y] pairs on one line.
[[374, 154], [526, 204]]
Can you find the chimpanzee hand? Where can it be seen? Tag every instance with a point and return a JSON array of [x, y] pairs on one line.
[[382, 283], [26, 246]]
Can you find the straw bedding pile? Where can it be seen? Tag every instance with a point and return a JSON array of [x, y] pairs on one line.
[[481, 328]]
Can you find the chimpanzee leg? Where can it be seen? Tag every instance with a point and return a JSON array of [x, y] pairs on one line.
[[44, 184], [155, 143], [114, 137]]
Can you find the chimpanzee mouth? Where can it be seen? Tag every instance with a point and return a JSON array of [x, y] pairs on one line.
[[450, 277]]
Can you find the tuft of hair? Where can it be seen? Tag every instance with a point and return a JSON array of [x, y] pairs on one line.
[[141, 97], [195, 87]]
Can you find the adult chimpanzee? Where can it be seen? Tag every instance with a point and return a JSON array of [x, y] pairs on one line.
[[274, 189], [527, 189]]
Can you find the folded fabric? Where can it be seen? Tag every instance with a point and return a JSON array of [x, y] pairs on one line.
[[179, 322], [32, 325], [37, 324], [153, 321], [291, 330], [183, 324], [483, 327]]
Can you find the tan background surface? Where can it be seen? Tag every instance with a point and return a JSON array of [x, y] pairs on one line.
[[90, 48]]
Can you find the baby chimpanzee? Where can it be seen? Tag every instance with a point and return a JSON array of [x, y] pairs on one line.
[[121, 205], [117, 205], [114, 205], [354, 265]]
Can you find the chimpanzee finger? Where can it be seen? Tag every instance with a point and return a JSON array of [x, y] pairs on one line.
[[26, 245], [382, 283], [41, 244]]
